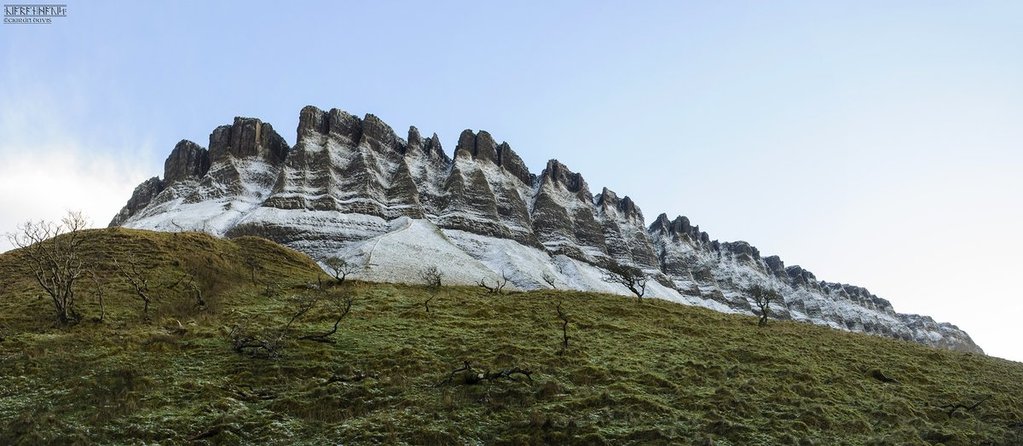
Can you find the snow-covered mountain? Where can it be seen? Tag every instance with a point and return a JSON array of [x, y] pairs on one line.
[[353, 188]]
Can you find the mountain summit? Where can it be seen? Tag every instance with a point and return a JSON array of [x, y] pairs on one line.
[[352, 188]]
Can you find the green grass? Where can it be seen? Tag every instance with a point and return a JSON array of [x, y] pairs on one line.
[[635, 373]]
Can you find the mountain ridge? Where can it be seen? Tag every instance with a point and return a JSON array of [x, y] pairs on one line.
[[349, 184]]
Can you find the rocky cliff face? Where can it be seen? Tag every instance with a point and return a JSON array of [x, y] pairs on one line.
[[352, 187]]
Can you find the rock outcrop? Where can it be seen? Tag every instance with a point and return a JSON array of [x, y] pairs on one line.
[[352, 187], [186, 161]]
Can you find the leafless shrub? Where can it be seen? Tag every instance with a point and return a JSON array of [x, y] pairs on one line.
[[499, 284], [54, 253], [431, 277], [136, 276]]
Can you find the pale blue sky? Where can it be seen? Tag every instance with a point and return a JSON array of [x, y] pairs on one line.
[[875, 143]]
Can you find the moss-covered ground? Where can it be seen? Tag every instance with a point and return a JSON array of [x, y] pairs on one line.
[[648, 372]]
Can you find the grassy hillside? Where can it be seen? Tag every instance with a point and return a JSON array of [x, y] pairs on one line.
[[651, 372]]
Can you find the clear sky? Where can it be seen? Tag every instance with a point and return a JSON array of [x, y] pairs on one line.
[[878, 143]]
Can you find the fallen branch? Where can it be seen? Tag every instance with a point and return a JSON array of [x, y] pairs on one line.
[[952, 408], [472, 376], [248, 343]]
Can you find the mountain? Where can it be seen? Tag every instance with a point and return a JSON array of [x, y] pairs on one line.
[[351, 187]]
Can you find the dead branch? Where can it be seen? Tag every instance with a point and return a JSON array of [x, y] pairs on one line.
[[471, 375], [549, 279], [952, 408], [303, 304], [244, 341], [499, 285], [344, 305]]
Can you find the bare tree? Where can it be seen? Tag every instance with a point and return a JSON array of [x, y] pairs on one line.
[[564, 326], [498, 286], [54, 253], [762, 297], [549, 279], [136, 277], [340, 268], [631, 277], [431, 277]]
